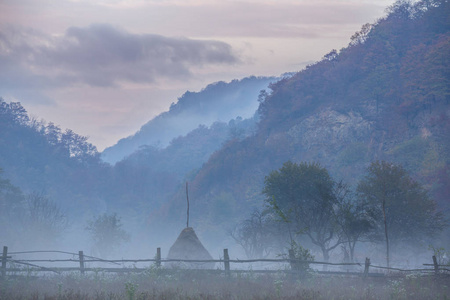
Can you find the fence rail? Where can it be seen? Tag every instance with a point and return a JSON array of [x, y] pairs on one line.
[[293, 264]]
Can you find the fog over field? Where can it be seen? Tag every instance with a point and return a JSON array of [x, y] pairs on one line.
[[224, 149]]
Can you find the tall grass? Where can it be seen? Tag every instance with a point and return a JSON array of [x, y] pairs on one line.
[[200, 285]]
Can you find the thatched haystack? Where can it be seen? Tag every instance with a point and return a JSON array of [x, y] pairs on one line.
[[188, 246]]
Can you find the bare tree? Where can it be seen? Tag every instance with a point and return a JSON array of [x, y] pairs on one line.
[[44, 221], [107, 233], [258, 235]]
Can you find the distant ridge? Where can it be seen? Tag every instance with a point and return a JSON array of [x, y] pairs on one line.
[[219, 101]]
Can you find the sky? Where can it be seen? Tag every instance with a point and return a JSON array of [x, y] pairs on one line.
[[103, 68]]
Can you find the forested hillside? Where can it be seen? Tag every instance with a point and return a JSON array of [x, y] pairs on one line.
[[384, 97], [40, 157]]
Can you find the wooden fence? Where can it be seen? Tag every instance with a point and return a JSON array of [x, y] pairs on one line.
[[292, 265]]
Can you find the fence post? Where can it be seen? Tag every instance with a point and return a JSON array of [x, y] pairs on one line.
[[226, 261], [158, 257], [436, 266], [4, 257], [81, 256], [366, 267]]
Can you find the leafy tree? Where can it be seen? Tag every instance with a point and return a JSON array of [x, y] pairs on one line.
[[12, 113], [403, 208], [302, 257], [360, 37], [107, 233], [331, 56], [53, 134], [304, 196]]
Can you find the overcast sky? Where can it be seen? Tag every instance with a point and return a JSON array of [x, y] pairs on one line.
[[105, 67]]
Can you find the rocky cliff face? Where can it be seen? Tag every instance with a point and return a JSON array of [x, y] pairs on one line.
[[331, 130]]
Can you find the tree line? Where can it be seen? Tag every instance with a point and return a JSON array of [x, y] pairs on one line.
[[304, 200]]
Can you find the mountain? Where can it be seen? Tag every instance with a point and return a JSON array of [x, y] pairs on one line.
[[384, 97], [219, 101]]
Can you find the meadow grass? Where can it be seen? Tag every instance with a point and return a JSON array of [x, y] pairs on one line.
[[179, 284]]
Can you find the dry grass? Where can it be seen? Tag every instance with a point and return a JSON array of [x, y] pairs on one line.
[[198, 285]]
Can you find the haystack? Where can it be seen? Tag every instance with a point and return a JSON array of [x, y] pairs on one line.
[[188, 246]]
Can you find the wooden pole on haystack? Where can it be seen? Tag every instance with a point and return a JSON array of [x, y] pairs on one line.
[[187, 198]]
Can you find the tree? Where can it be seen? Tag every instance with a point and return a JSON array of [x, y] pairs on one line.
[[304, 196], [403, 208], [360, 37], [13, 112], [332, 55], [29, 218], [44, 221], [259, 235], [78, 147], [107, 233], [11, 205], [356, 223], [301, 256]]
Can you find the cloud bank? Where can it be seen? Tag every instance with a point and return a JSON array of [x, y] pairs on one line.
[[102, 55]]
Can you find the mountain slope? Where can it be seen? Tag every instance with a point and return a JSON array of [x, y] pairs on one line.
[[217, 102], [385, 96]]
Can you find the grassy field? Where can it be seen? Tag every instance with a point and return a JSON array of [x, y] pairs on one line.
[[198, 285]]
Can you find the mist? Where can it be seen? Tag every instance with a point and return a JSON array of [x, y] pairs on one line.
[[218, 102], [329, 182]]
